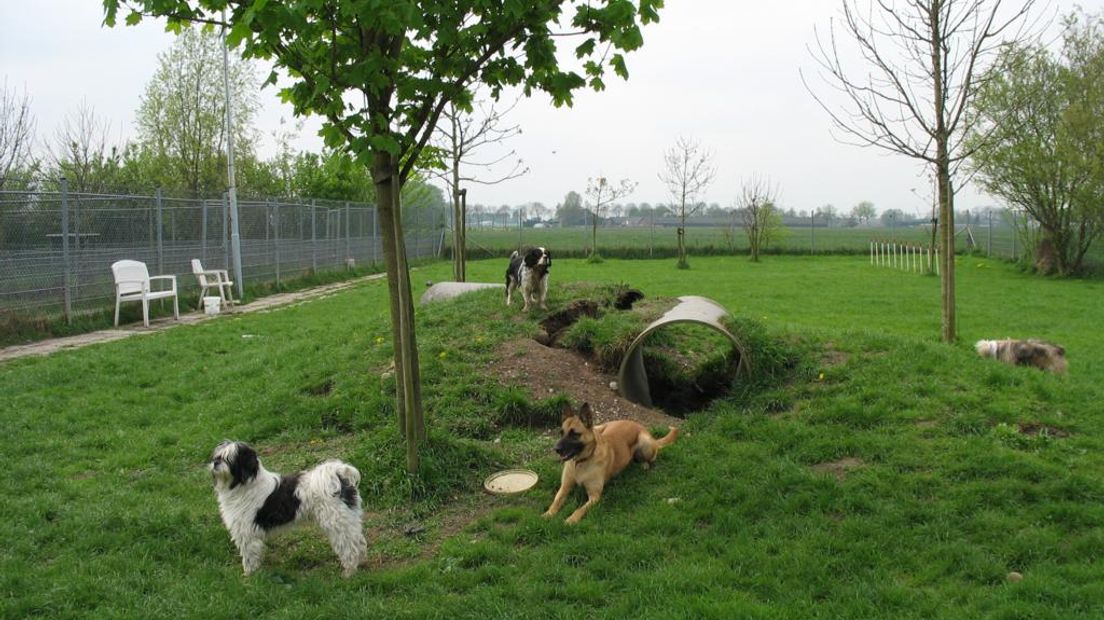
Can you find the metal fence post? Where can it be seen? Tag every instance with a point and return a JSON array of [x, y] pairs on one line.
[[160, 243], [65, 249], [1014, 231], [203, 232], [348, 238], [812, 232], [225, 235], [375, 235], [276, 238], [651, 239], [989, 240], [314, 240]]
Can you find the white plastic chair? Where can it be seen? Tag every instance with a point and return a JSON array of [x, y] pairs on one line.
[[213, 278], [132, 283]]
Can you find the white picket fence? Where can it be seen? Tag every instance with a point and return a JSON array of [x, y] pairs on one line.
[[909, 257]]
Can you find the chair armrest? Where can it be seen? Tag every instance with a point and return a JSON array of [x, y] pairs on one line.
[[172, 278], [222, 276]]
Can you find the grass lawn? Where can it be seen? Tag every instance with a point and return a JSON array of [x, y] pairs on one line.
[[940, 492]]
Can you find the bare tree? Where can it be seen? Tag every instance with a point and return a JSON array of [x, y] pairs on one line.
[[81, 153], [17, 132], [687, 171], [459, 134], [923, 67], [758, 214], [601, 193]]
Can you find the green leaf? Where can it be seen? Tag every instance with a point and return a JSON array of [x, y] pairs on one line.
[[618, 64], [134, 18], [586, 48]]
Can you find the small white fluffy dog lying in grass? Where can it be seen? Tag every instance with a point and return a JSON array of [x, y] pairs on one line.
[[1038, 353], [255, 503]]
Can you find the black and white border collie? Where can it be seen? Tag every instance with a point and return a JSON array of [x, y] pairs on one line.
[[530, 274], [1038, 353], [255, 503]]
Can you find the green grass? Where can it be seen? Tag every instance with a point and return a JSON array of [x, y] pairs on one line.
[[108, 510]]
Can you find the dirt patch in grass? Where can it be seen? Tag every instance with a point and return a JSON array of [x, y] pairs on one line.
[[546, 371], [832, 356], [839, 468], [320, 389], [428, 534], [1033, 429]]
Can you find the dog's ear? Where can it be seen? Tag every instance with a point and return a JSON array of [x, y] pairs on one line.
[[567, 412], [244, 466], [532, 257], [586, 416]]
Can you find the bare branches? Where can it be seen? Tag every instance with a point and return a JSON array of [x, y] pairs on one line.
[[601, 193], [17, 131], [758, 213], [460, 133], [925, 56], [80, 151], [687, 170]]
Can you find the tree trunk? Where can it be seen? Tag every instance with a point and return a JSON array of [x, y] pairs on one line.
[[463, 247], [408, 392], [458, 271], [1047, 256], [594, 233], [682, 262], [947, 250], [943, 177]]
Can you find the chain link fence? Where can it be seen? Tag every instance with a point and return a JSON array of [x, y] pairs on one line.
[[56, 248], [996, 233]]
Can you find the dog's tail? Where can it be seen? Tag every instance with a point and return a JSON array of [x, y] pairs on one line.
[[344, 482], [669, 438], [337, 473], [514, 255]]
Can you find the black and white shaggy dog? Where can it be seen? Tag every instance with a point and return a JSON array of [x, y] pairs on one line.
[[529, 273], [1038, 353], [255, 503]]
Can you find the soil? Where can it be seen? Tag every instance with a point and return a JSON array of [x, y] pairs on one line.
[[1036, 428], [839, 468], [555, 325], [547, 371]]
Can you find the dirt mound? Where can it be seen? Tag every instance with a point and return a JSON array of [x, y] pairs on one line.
[[546, 371], [558, 322]]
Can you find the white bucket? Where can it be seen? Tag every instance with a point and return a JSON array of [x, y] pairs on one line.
[[211, 305]]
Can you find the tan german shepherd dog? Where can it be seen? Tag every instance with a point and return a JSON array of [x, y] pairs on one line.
[[592, 455]]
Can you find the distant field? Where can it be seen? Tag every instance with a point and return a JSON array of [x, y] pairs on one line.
[[640, 241]]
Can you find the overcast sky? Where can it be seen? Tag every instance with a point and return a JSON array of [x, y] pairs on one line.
[[722, 72]]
